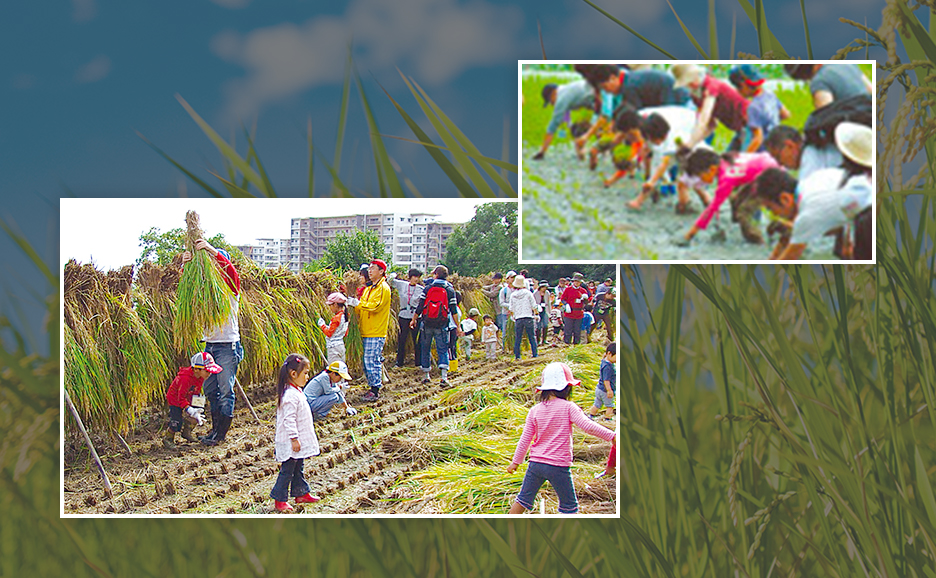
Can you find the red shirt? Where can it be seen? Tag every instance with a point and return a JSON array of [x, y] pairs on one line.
[[576, 298], [183, 387], [730, 107], [229, 273]]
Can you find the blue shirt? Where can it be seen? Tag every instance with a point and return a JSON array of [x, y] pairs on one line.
[[569, 97], [606, 372], [318, 386], [764, 111]]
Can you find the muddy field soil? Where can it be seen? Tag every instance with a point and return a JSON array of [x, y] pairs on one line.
[[567, 213], [354, 474]]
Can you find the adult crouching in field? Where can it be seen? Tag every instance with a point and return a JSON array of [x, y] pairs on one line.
[[716, 100], [637, 88], [323, 392], [409, 292], [564, 99], [223, 343], [437, 305], [573, 299], [826, 200], [841, 93], [522, 306], [374, 316]]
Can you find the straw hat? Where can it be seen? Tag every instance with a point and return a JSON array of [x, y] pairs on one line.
[[519, 281], [686, 74], [854, 141]]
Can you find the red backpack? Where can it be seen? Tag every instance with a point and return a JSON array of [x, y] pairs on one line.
[[436, 307]]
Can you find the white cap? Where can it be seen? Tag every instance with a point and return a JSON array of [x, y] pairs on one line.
[[686, 74], [854, 140], [511, 274], [557, 376]]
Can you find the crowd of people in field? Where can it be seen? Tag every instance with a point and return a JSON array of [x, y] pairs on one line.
[[658, 124], [429, 312]]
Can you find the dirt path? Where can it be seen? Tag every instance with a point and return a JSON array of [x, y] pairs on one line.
[[355, 473], [568, 214]]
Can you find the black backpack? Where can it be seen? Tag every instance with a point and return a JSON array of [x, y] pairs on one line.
[[819, 130]]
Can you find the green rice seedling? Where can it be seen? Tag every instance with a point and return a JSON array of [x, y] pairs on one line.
[[203, 299]]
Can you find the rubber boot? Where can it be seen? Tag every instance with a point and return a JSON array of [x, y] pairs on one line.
[[224, 422], [169, 439], [187, 434], [215, 418], [453, 365]]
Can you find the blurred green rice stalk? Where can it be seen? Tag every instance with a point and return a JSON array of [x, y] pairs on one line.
[[471, 173], [805, 393]]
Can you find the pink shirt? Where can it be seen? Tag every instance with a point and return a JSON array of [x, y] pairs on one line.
[[549, 428], [742, 171]]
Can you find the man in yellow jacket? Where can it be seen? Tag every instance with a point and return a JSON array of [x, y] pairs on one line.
[[374, 316]]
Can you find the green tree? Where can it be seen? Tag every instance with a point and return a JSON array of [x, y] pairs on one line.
[[345, 252], [161, 248], [488, 242]]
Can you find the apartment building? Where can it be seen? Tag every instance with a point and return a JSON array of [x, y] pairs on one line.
[[268, 253], [413, 239]]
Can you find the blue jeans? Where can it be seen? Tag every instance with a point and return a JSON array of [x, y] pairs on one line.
[[501, 322], [521, 326], [219, 387], [321, 405], [560, 478], [290, 481], [426, 336]]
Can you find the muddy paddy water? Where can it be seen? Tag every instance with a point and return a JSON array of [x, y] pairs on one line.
[[569, 214]]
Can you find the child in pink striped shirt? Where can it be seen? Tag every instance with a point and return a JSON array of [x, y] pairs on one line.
[[732, 171], [549, 428]]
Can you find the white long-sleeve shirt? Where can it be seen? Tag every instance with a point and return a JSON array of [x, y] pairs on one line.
[[522, 303], [294, 420]]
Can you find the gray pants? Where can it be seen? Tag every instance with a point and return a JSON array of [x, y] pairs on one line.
[[321, 405], [571, 330]]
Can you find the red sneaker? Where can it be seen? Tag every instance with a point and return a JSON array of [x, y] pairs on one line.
[[307, 499], [282, 506]]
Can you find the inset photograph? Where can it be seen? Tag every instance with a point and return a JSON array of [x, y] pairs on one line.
[[290, 357], [697, 161]]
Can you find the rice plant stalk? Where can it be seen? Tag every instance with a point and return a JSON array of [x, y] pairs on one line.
[[203, 299]]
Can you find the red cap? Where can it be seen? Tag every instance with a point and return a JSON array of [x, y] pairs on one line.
[[379, 263]]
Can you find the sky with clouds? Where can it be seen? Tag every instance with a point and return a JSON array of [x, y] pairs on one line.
[[80, 79]]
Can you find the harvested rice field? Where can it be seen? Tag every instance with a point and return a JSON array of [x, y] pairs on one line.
[[417, 450]]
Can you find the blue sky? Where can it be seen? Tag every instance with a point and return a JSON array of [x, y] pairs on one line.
[[79, 77]]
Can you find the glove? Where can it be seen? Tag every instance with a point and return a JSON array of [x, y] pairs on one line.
[[392, 275], [320, 322], [350, 410], [352, 302], [568, 308], [196, 413], [538, 156]]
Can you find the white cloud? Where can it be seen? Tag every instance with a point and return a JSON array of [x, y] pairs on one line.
[[432, 40], [232, 4], [84, 10], [97, 69], [24, 81]]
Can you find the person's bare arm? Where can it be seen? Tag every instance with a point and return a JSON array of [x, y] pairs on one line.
[[784, 113], [756, 140], [822, 98]]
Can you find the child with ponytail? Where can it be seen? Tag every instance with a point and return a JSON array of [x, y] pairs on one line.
[[295, 437]]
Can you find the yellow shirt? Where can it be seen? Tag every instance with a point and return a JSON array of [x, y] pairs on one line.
[[374, 310]]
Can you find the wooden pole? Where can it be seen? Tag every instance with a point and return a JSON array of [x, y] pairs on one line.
[[246, 399], [124, 443], [94, 454]]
